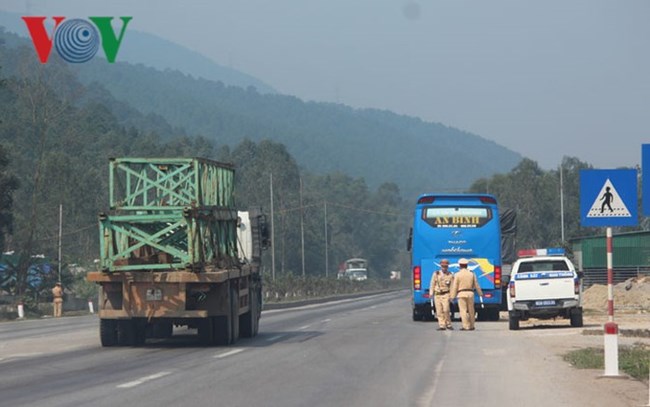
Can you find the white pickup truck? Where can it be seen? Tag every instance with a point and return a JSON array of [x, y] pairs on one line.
[[544, 284]]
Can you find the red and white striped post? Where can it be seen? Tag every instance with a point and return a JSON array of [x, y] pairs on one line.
[[611, 328]]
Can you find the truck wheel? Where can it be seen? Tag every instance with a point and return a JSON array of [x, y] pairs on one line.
[[513, 323], [139, 331], [576, 317], [222, 333], [108, 332], [162, 330], [247, 321], [125, 333], [234, 313], [206, 331]]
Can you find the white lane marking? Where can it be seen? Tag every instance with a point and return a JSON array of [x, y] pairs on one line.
[[143, 380], [230, 353], [304, 327], [326, 320], [273, 338], [21, 355]]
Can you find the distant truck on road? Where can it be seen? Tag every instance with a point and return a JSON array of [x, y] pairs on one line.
[[355, 269], [175, 251], [544, 284]]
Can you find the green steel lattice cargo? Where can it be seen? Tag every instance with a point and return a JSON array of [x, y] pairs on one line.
[[173, 253]]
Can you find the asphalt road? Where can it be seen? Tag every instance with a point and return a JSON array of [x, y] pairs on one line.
[[359, 352]]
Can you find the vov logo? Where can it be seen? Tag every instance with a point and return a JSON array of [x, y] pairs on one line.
[[76, 40]]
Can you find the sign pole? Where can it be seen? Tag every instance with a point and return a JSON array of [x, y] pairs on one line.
[[611, 328]]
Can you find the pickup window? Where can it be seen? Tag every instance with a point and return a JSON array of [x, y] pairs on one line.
[[558, 265]]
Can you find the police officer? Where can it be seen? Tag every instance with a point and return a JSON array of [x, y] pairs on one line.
[[440, 287], [463, 286], [57, 302]]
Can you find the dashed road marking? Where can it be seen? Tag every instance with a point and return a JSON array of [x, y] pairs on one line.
[[304, 327], [145, 379], [276, 337], [230, 353]]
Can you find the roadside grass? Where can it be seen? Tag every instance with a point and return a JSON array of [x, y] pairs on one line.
[[633, 360]]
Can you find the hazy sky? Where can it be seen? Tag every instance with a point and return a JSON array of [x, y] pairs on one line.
[[543, 78]]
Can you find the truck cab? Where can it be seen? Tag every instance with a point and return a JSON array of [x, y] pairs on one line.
[[544, 284]]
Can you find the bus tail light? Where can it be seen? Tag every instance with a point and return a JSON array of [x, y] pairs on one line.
[[497, 276], [511, 287], [417, 278], [426, 200], [488, 200]]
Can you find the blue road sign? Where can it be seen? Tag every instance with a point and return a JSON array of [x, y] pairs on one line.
[[608, 198], [645, 178]]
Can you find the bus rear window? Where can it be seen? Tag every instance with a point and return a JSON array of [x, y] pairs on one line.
[[456, 217]]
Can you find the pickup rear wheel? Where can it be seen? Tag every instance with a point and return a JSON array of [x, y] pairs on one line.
[[576, 317], [513, 322]]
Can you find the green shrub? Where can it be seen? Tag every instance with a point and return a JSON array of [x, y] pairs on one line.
[[633, 360]]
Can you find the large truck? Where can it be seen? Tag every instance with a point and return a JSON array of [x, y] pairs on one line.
[[176, 252], [355, 269]]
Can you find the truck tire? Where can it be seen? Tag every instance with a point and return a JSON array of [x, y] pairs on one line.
[[576, 317], [162, 330], [513, 322], [222, 330], [249, 322], [125, 333], [234, 313], [206, 331], [108, 332], [139, 331]]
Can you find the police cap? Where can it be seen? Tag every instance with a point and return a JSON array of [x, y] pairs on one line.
[[463, 261]]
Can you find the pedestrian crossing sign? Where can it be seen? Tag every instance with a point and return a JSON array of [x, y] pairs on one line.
[[608, 198], [645, 178]]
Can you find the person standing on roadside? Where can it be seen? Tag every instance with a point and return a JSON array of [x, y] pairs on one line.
[[463, 287], [439, 289], [57, 302]]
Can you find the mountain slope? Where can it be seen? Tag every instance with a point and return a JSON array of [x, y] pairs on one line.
[[323, 137], [150, 50], [379, 146]]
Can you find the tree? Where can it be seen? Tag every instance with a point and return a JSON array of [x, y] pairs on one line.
[[8, 184]]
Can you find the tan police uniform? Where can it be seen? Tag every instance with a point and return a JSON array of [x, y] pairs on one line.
[[440, 289], [57, 293], [463, 286]]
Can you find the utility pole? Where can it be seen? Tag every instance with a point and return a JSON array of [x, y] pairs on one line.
[[561, 203], [272, 230], [60, 236], [327, 266], [302, 231]]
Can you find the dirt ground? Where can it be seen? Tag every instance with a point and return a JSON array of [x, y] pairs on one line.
[[631, 314]]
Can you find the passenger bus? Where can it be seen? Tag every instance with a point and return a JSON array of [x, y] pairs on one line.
[[455, 226]]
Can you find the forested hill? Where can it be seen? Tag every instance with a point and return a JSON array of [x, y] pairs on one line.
[[379, 146]]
